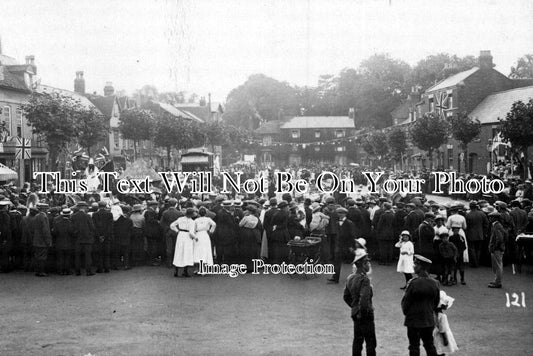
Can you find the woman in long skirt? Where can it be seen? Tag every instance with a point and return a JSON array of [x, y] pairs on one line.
[[204, 226], [184, 253], [249, 236]]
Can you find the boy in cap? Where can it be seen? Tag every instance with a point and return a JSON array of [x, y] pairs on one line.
[[358, 295], [448, 253]]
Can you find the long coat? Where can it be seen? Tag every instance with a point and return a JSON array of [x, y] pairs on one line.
[[355, 216], [83, 227], [226, 230], [152, 228], [385, 226], [42, 236], [477, 225], [103, 223], [420, 301], [122, 231], [63, 233]]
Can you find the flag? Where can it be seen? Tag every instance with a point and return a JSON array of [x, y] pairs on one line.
[[497, 141], [99, 158], [104, 151]]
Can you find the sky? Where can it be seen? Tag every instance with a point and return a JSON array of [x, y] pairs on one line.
[[212, 46]]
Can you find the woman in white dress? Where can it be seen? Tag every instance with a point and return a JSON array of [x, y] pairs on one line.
[[204, 226], [184, 252], [405, 263]]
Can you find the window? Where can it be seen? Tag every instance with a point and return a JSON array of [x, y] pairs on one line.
[[317, 149], [267, 140], [116, 138], [317, 133], [431, 105], [450, 102], [6, 117], [340, 149], [18, 124], [267, 157], [295, 133], [340, 133]]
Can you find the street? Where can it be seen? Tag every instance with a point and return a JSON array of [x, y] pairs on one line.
[[146, 311]]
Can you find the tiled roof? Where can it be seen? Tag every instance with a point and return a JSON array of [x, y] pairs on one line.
[[269, 127], [11, 80], [200, 112], [82, 99], [177, 112], [497, 105], [8, 61], [318, 122], [453, 80], [103, 103]]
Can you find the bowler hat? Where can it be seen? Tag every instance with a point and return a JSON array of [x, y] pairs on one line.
[[282, 204]]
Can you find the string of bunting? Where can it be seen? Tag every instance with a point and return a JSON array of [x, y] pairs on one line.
[[347, 139]]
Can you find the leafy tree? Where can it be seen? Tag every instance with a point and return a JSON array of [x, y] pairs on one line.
[[464, 129], [429, 133], [397, 141], [435, 68], [259, 99], [136, 124], [523, 68], [171, 132], [54, 116], [379, 142], [92, 128], [517, 128]]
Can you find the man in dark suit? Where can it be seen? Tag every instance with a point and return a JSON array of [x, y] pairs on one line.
[[332, 230], [267, 222], [225, 234], [103, 225], [414, 218], [355, 216], [344, 240], [84, 231], [385, 233], [42, 239], [153, 232], [419, 303], [169, 216], [63, 232], [477, 226]]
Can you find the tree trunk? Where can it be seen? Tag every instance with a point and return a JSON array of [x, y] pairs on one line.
[[168, 156], [465, 153], [89, 151], [134, 150], [526, 164], [430, 156]]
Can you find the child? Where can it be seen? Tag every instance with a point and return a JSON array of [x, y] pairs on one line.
[[460, 242], [406, 263], [442, 335], [448, 253], [319, 219]]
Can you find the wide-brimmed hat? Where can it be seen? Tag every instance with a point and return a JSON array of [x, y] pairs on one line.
[[361, 241], [137, 207], [423, 260], [445, 300], [227, 203], [359, 254], [405, 232], [5, 202]]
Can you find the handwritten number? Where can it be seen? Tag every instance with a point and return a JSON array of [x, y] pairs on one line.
[[507, 304]]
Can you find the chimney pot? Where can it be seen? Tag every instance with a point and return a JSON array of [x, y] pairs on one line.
[[108, 89], [79, 83], [485, 60]]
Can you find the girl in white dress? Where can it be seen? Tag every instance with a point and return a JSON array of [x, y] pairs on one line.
[[442, 334], [204, 226], [406, 263], [184, 253]]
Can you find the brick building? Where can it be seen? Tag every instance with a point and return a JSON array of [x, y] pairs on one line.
[[307, 139]]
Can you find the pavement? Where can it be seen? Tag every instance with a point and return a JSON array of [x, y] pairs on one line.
[[146, 311]]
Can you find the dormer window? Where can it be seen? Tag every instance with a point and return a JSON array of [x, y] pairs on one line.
[[317, 133], [295, 133]]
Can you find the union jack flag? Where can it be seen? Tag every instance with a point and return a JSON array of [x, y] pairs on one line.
[[441, 104]]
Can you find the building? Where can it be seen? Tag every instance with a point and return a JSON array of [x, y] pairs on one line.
[[207, 111], [307, 139], [16, 85], [459, 93]]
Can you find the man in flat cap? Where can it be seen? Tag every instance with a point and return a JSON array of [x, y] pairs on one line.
[[42, 239], [498, 236], [477, 227], [358, 295], [419, 303], [103, 225], [344, 241], [84, 231]]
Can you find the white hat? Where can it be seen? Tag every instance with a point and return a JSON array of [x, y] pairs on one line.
[[405, 232], [359, 253], [445, 300], [361, 241]]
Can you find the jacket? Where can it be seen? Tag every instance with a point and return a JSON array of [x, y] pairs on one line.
[[420, 301], [477, 225], [42, 236], [358, 295], [83, 227], [498, 235], [103, 224], [63, 233]]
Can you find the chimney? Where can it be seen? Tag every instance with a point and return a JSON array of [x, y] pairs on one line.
[[30, 59], [202, 101], [108, 89], [79, 83], [485, 60], [351, 113]]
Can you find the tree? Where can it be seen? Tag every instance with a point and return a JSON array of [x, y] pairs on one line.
[[259, 99], [523, 68], [171, 132], [53, 116], [437, 67], [398, 144], [517, 128], [464, 129], [92, 128], [136, 125], [429, 133]]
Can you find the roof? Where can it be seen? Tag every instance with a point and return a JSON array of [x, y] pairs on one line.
[[200, 112], [497, 105], [103, 103], [215, 105], [177, 112], [453, 80], [269, 127], [8, 61], [318, 122], [40, 88], [11, 80], [401, 111]]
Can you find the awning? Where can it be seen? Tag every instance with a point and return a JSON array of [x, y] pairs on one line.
[[194, 159], [7, 173]]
